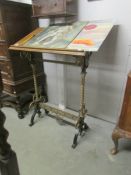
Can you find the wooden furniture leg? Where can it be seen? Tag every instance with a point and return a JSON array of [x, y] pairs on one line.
[[8, 159], [115, 137], [123, 128], [19, 103]]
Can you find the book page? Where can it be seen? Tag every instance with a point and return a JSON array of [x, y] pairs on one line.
[[91, 37], [56, 37]]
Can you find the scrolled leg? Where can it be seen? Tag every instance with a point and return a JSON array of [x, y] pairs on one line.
[[82, 128], [115, 137], [75, 141], [115, 149], [33, 117]]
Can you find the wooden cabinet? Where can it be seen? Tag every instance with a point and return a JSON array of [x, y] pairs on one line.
[[123, 128], [16, 73], [50, 8]]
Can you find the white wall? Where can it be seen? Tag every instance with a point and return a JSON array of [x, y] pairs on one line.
[[108, 68], [22, 1]]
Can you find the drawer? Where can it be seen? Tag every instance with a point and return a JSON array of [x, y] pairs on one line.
[[44, 7], [3, 50], [2, 33]]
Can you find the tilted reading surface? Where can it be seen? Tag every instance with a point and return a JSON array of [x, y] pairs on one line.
[[80, 36]]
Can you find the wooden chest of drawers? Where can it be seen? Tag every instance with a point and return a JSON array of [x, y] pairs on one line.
[[15, 23], [50, 8], [123, 128]]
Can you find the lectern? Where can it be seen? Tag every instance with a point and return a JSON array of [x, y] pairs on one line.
[[79, 40]]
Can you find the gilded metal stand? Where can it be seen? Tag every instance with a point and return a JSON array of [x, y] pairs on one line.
[[81, 125], [38, 100]]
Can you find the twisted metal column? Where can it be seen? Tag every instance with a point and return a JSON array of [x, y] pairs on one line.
[[82, 92], [81, 125]]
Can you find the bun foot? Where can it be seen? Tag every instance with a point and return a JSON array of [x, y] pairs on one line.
[[114, 151]]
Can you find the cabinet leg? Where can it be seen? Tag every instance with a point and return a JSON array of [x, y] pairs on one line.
[[115, 149], [115, 137], [20, 114], [19, 108]]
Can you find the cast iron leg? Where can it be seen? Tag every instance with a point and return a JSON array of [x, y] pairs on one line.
[[75, 141], [36, 111], [33, 117], [39, 112], [81, 125]]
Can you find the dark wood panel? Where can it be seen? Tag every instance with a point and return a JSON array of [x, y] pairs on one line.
[[2, 32], [71, 6], [5, 65], [51, 8], [22, 69], [3, 50], [42, 7], [1, 16], [125, 117], [20, 86], [16, 22]]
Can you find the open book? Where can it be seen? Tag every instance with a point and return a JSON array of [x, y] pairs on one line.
[[80, 36]]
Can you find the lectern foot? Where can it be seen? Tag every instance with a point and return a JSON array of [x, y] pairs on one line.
[[83, 127], [36, 111], [32, 118], [75, 141]]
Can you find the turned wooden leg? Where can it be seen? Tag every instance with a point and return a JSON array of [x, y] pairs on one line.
[[8, 159], [116, 135], [19, 108]]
